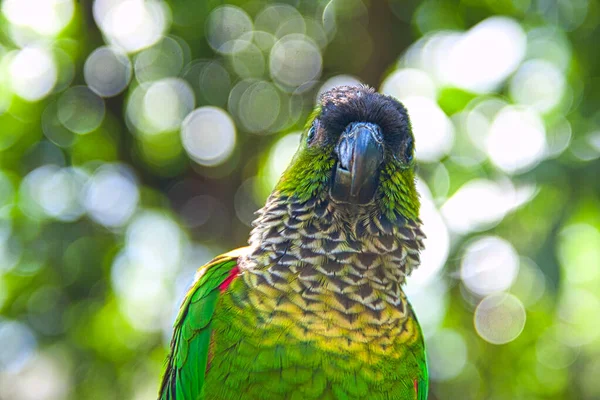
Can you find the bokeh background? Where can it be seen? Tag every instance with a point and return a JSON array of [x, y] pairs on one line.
[[137, 138]]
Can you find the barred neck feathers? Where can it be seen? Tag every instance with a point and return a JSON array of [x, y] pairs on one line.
[[315, 248]]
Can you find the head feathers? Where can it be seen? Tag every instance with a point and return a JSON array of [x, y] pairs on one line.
[[343, 105]]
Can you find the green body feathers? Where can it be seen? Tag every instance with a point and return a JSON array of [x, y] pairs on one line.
[[313, 308]]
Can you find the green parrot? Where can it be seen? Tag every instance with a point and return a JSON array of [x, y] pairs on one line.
[[314, 308]]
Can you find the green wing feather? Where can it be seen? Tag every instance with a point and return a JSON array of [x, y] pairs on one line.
[[186, 366], [422, 389]]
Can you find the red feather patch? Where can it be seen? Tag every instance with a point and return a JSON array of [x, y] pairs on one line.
[[235, 271], [416, 384]]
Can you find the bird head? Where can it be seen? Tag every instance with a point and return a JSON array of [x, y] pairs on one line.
[[356, 151]]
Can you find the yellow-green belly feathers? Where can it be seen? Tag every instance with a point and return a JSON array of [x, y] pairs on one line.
[[264, 350]]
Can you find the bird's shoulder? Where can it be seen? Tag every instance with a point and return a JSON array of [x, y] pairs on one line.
[[215, 274]]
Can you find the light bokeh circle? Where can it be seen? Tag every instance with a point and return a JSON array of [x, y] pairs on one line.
[[107, 71], [208, 135], [500, 318]]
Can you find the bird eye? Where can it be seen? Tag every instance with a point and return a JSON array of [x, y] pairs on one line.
[[311, 132], [408, 150]]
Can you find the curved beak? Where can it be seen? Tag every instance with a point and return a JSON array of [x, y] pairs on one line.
[[360, 154]]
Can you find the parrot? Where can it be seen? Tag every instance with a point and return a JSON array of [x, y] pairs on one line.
[[314, 306]]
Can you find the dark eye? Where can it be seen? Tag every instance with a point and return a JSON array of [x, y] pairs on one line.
[[311, 132], [408, 150]]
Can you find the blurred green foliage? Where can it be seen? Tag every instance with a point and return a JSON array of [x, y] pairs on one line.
[[137, 138]]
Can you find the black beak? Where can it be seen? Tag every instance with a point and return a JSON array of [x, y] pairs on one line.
[[360, 154]]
